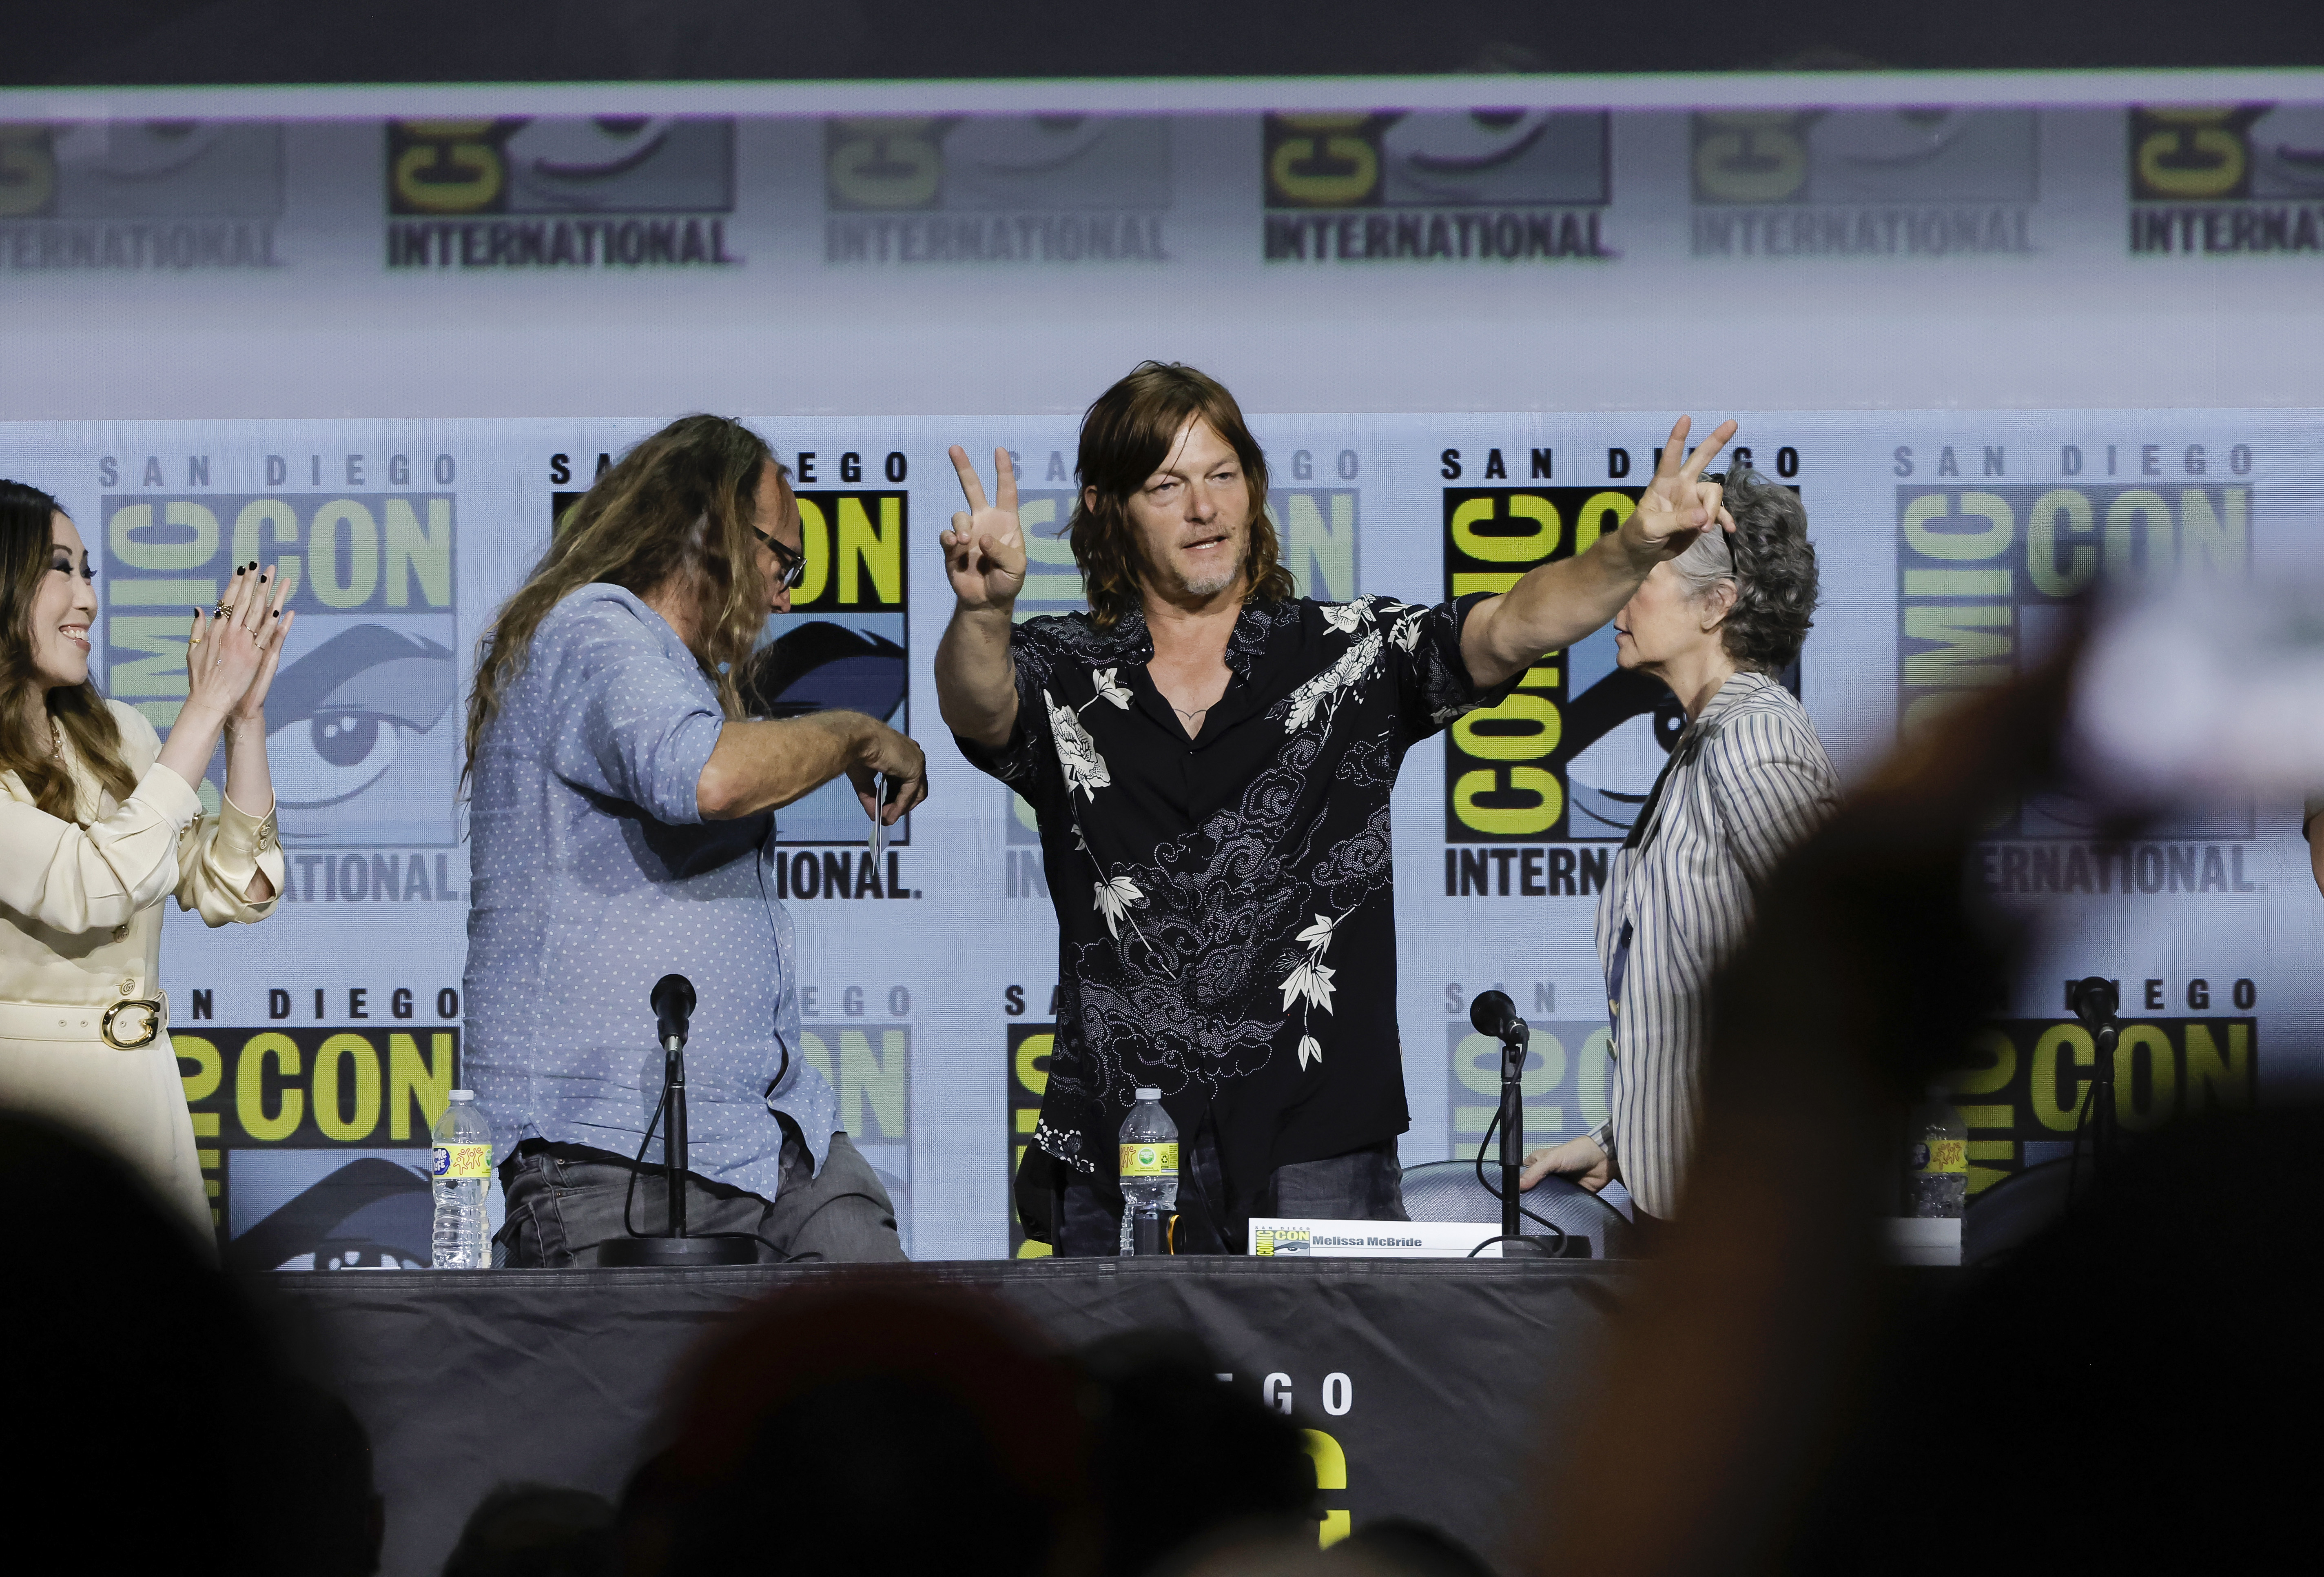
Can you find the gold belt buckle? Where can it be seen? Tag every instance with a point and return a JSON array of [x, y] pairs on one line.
[[153, 1014]]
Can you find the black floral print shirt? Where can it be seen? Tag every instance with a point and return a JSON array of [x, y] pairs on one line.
[[1225, 912]]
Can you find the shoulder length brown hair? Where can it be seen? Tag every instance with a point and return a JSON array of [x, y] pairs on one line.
[[27, 559], [679, 506], [1126, 435]]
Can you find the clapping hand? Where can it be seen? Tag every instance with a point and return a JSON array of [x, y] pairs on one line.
[[1678, 506], [985, 551], [234, 651]]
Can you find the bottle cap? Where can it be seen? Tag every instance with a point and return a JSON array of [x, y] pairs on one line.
[[1149, 1092], [463, 1094]]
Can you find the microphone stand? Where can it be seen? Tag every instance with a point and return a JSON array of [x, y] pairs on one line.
[[1516, 1037], [676, 1249]]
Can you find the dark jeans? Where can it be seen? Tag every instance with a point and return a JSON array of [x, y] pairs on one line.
[[1365, 1184], [565, 1199]]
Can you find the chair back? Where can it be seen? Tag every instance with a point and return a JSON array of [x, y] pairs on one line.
[[1449, 1191]]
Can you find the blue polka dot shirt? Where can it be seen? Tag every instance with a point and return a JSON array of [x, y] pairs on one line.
[[595, 875]]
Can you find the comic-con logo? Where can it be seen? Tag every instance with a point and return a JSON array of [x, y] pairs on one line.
[[360, 735], [314, 1143], [134, 195], [996, 189], [1568, 1068], [1573, 755], [1921, 182], [640, 192], [2029, 1084], [1427, 185], [1986, 571], [2226, 179]]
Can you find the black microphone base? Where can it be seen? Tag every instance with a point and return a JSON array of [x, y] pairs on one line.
[[677, 1252], [1572, 1246]]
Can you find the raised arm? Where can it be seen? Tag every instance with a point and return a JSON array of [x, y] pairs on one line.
[[984, 558], [1554, 606]]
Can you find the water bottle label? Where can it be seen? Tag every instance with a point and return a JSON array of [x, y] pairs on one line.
[[463, 1160], [1150, 1160], [1940, 1155]]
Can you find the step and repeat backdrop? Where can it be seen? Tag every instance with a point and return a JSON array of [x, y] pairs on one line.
[[370, 299]]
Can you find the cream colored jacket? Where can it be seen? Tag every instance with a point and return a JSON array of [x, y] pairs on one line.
[[82, 901]]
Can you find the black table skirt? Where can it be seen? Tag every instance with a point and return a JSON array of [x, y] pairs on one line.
[[1450, 1369]]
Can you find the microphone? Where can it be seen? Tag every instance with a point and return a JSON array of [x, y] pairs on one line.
[[2094, 1000], [673, 1006], [1492, 1013]]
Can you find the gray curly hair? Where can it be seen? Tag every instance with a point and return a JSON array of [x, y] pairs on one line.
[[1773, 575]]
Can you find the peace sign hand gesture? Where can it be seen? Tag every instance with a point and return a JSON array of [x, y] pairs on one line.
[[985, 551], [1678, 506]]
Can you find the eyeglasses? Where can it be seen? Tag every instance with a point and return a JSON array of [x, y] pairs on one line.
[[790, 564]]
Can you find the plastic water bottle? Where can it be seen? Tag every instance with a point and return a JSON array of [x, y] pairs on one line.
[[1936, 1159], [463, 1168], [1150, 1168]]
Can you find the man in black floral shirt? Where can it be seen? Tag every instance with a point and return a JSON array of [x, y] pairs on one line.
[[1209, 757]]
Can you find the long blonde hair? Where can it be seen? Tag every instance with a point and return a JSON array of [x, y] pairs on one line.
[[677, 509], [27, 546]]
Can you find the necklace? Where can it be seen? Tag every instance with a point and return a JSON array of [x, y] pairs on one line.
[[57, 742]]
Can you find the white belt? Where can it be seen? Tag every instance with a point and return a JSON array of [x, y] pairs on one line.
[[128, 1025]]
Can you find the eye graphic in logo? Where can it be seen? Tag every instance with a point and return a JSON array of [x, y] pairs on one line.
[[1445, 153], [560, 162], [366, 1214], [818, 667], [338, 718], [1493, 156], [134, 150], [1620, 731], [1887, 137], [1030, 145], [2287, 145]]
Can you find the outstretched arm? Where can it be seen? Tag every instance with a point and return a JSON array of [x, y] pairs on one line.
[[765, 766], [1555, 605], [984, 558]]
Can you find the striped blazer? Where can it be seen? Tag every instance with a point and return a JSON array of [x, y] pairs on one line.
[[1747, 781]]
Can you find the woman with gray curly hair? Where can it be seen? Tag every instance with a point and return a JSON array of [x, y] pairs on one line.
[[1746, 782]]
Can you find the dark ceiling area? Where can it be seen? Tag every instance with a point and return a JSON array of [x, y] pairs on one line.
[[153, 42]]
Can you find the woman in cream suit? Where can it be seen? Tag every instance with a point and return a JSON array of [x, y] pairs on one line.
[[99, 822]]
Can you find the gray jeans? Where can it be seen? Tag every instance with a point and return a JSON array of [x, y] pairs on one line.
[[565, 1199]]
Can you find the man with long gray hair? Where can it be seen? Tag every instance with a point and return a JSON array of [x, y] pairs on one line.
[[622, 829]]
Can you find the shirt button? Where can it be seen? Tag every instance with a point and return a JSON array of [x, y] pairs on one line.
[[120, 930]]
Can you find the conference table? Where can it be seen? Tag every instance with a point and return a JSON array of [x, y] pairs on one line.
[[1423, 1385]]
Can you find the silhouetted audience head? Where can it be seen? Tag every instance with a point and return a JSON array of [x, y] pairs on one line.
[[882, 1422], [537, 1530], [332, 1520], [2127, 1384], [1178, 1461], [145, 1389]]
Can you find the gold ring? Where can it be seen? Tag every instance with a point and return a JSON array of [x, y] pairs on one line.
[[193, 640]]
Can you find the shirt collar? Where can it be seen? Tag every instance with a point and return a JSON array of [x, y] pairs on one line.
[[1740, 684], [1130, 641]]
